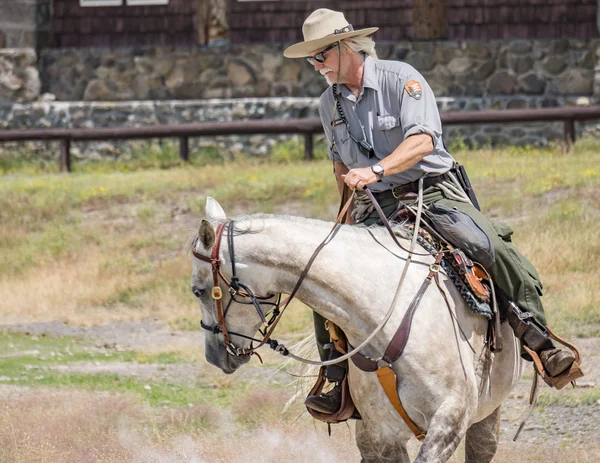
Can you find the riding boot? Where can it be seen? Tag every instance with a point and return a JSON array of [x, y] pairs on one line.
[[330, 401], [554, 360]]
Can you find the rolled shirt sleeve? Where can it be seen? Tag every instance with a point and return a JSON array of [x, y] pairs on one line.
[[418, 108]]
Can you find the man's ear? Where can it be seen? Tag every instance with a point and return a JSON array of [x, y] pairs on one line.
[[214, 211], [206, 234]]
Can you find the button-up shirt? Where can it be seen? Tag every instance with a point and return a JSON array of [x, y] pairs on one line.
[[389, 109]]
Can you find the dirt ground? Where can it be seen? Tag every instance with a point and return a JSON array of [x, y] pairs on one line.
[[554, 432]]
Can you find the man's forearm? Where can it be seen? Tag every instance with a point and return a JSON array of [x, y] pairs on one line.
[[407, 154]]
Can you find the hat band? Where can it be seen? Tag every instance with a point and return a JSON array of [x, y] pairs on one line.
[[343, 30]]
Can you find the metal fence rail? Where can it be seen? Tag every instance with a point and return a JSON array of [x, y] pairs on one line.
[[307, 127]]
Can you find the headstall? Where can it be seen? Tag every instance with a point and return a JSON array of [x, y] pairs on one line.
[[236, 288]]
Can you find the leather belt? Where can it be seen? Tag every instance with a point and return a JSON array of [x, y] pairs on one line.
[[413, 187]]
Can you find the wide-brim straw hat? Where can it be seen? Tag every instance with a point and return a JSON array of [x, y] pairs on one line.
[[322, 28]]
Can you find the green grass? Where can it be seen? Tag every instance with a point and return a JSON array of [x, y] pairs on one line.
[[17, 350], [155, 393], [569, 397], [27, 360]]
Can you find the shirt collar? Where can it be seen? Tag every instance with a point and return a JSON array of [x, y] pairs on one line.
[[369, 79], [370, 74]]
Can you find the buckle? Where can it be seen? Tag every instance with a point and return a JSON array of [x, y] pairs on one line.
[[348, 28], [434, 268], [383, 364], [216, 293], [397, 196]]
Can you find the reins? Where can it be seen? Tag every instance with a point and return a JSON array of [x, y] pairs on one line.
[[216, 292], [383, 364], [236, 288]]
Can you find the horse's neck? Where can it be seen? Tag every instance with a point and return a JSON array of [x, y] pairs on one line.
[[351, 281]]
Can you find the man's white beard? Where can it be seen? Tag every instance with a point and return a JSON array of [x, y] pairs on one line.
[[324, 72]]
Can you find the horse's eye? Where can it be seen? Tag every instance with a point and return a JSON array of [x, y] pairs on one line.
[[198, 292]]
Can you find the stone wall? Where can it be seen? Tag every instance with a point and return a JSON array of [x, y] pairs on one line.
[[103, 88], [19, 77], [544, 68]]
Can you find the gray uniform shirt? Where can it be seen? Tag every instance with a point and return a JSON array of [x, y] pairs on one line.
[[388, 110]]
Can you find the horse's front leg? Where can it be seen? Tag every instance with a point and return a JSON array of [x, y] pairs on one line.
[[446, 429], [375, 448]]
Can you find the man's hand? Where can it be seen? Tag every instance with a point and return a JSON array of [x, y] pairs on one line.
[[360, 178]]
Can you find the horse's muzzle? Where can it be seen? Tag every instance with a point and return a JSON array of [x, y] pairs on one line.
[[220, 358]]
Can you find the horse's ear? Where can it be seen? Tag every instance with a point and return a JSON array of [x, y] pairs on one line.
[[214, 211], [206, 234]]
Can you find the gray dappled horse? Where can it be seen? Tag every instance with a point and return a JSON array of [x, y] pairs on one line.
[[446, 388]]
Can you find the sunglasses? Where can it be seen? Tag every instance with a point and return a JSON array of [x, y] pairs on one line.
[[320, 57]]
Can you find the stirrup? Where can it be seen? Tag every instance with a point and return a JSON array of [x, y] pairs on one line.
[[347, 409], [568, 376]]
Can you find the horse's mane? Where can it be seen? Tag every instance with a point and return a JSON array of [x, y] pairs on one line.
[[399, 227], [246, 224]]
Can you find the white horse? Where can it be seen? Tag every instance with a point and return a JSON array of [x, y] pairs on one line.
[[447, 390]]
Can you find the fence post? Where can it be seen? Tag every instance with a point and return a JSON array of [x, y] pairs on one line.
[[65, 155], [184, 149], [569, 133], [308, 147]]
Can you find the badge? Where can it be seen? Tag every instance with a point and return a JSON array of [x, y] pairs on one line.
[[413, 88]]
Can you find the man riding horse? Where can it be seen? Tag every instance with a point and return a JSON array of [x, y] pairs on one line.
[[384, 132]]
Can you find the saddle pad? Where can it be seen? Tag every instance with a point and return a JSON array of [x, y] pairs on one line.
[[478, 307]]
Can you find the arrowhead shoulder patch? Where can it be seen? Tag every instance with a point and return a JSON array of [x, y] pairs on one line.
[[413, 88]]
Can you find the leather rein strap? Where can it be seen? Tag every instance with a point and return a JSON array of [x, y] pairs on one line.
[[217, 293], [383, 366]]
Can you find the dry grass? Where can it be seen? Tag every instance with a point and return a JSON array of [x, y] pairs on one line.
[[55, 426], [91, 290]]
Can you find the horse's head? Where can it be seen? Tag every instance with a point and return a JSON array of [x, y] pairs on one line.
[[229, 314]]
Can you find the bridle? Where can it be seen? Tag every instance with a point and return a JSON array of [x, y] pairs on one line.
[[236, 288]]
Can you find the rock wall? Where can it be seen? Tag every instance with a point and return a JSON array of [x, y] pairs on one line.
[[19, 77], [544, 68], [103, 88]]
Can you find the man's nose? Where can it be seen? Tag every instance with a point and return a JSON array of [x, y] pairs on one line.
[[318, 65]]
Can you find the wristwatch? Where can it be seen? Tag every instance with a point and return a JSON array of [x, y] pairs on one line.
[[377, 170]]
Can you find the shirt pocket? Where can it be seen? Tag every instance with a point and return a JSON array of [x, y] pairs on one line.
[[387, 122], [390, 133]]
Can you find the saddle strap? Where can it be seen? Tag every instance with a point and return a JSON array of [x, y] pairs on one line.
[[386, 376], [387, 379], [396, 346]]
